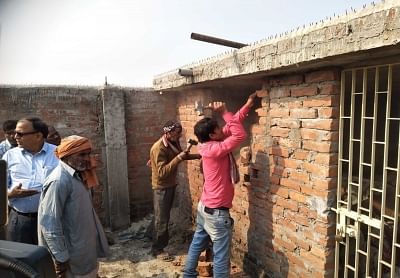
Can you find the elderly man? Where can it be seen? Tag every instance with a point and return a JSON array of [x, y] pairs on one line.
[[67, 222], [9, 132], [165, 156], [28, 166]]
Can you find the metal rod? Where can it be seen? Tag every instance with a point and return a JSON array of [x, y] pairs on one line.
[[214, 40]]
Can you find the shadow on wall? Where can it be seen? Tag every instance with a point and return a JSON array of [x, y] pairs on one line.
[[261, 259]]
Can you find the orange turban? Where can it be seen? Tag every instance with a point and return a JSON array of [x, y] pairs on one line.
[[74, 144]]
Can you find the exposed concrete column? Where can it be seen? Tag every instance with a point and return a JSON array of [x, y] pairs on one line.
[[116, 156]]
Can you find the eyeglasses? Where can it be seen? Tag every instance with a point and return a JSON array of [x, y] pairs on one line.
[[22, 134]]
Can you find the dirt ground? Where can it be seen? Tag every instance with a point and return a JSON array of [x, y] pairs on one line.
[[130, 255]]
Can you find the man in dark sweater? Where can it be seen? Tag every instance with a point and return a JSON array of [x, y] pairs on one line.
[[165, 156]]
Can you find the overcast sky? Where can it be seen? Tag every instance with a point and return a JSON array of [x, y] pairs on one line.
[[79, 42]]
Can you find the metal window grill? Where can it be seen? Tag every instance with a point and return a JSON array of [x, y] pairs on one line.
[[367, 236]]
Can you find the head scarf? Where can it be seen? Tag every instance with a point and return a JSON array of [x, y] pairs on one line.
[[171, 126], [74, 144]]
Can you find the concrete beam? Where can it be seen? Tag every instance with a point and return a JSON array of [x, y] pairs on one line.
[[374, 27]]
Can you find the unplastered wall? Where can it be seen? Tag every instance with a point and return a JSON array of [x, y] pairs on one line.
[[283, 225], [190, 180], [72, 110], [146, 112]]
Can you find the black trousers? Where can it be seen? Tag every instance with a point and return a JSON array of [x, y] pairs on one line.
[[21, 228], [163, 200]]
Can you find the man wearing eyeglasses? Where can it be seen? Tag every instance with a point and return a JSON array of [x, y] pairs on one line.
[[28, 165], [9, 132]]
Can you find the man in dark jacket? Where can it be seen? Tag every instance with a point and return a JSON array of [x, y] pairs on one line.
[[165, 156]]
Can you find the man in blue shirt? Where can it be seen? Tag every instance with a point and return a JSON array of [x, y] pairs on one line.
[[28, 165], [9, 132], [68, 224]]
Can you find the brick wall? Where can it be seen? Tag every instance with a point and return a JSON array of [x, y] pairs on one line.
[[71, 110], [288, 164], [74, 110], [288, 175], [190, 179], [146, 112]]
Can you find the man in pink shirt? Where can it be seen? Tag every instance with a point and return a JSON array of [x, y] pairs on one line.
[[220, 174]]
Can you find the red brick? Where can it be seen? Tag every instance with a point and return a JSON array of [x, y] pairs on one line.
[[300, 176], [324, 124], [311, 134], [303, 113], [285, 122], [279, 190], [294, 103], [287, 244], [262, 112], [323, 75], [298, 197], [296, 260], [312, 214], [325, 184], [328, 112], [324, 147], [290, 184], [278, 170], [324, 229], [298, 218], [274, 179], [329, 89], [312, 261], [279, 92], [280, 151], [291, 142], [301, 154], [288, 163], [262, 93], [326, 158], [320, 170], [280, 132], [279, 113], [318, 135], [299, 241], [304, 91], [289, 225], [258, 130], [322, 101], [263, 120], [308, 190], [287, 203], [277, 210]]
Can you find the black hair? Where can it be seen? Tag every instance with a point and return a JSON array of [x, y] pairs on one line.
[[203, 129], [9, 125], [38, 125]]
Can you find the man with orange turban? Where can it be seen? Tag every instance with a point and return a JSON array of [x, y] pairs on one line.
[[67, 222]]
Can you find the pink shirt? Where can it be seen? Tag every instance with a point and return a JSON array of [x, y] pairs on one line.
[[218, 189]]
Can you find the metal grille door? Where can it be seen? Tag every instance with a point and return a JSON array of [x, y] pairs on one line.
[[367, 240]]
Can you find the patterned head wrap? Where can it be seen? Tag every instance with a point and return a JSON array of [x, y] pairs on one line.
[[171, 126]]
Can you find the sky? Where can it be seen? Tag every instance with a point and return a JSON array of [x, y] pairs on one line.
[[80, 42]]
